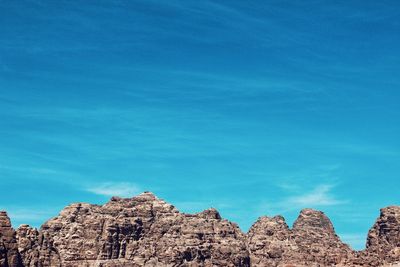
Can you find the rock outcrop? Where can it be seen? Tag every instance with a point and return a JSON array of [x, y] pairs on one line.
[[311, 242], [268, 241], [383, 241], [9, 256], [139, 231], [147, 231]]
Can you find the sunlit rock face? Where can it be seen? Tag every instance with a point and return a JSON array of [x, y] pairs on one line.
[[268, 240], [384, 237], [311, 242], [139, 231], [147, 231]]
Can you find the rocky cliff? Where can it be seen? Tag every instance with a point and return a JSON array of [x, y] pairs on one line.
[[311, 242], [146, 231], [9, 255]]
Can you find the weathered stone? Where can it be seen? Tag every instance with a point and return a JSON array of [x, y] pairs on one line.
[[311, 242], [9, 256], [384, 237], [268, 239], [147, 231], [139, 231]]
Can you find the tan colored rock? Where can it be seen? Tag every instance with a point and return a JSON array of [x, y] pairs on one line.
[[316, 240], [139, 231], [311, 242], [383, 240], [268, 239], [9, 256], [147, 231]]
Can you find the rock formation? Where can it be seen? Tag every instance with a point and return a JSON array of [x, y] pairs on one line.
[[9, 256], [383, 241], [146, 231], [268, 240], [311, 242], [139, 231]]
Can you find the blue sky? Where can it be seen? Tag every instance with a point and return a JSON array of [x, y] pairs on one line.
[[252, 107]]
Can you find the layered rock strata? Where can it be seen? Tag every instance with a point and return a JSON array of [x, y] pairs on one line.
[[140, 231], [147, 231], [311, 242], [9, 256]]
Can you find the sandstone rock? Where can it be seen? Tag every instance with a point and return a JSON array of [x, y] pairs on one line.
[[316, 240], [383, 240], [9, 256], [139, 231], [311, 242], [268, 239], [147, 231]]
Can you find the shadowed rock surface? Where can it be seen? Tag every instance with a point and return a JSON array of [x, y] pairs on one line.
[[9, 255], [147, 231]]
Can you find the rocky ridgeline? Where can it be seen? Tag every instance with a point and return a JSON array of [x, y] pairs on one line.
[[311, 242], [146, 231]]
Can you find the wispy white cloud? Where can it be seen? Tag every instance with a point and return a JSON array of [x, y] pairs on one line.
[[298, 197], [121, 189], [319, 196]]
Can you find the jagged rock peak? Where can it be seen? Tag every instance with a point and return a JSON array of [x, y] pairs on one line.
[[4, 219], [144, 201], [145, 196], [267, 241], [390, 213], [148, 194], [278, 219], [311, 242], [210, 213], [269, 225], [384, 237], [310, 218]]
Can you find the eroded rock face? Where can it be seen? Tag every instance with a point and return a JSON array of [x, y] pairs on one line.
[[311, 242], [147, 231], [29, 245], [384, 237], [140, 231], [268, 240], [316, 240], [9, 256]]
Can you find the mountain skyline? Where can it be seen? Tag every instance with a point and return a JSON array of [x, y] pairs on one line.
[[147, 231], [257, 108]]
